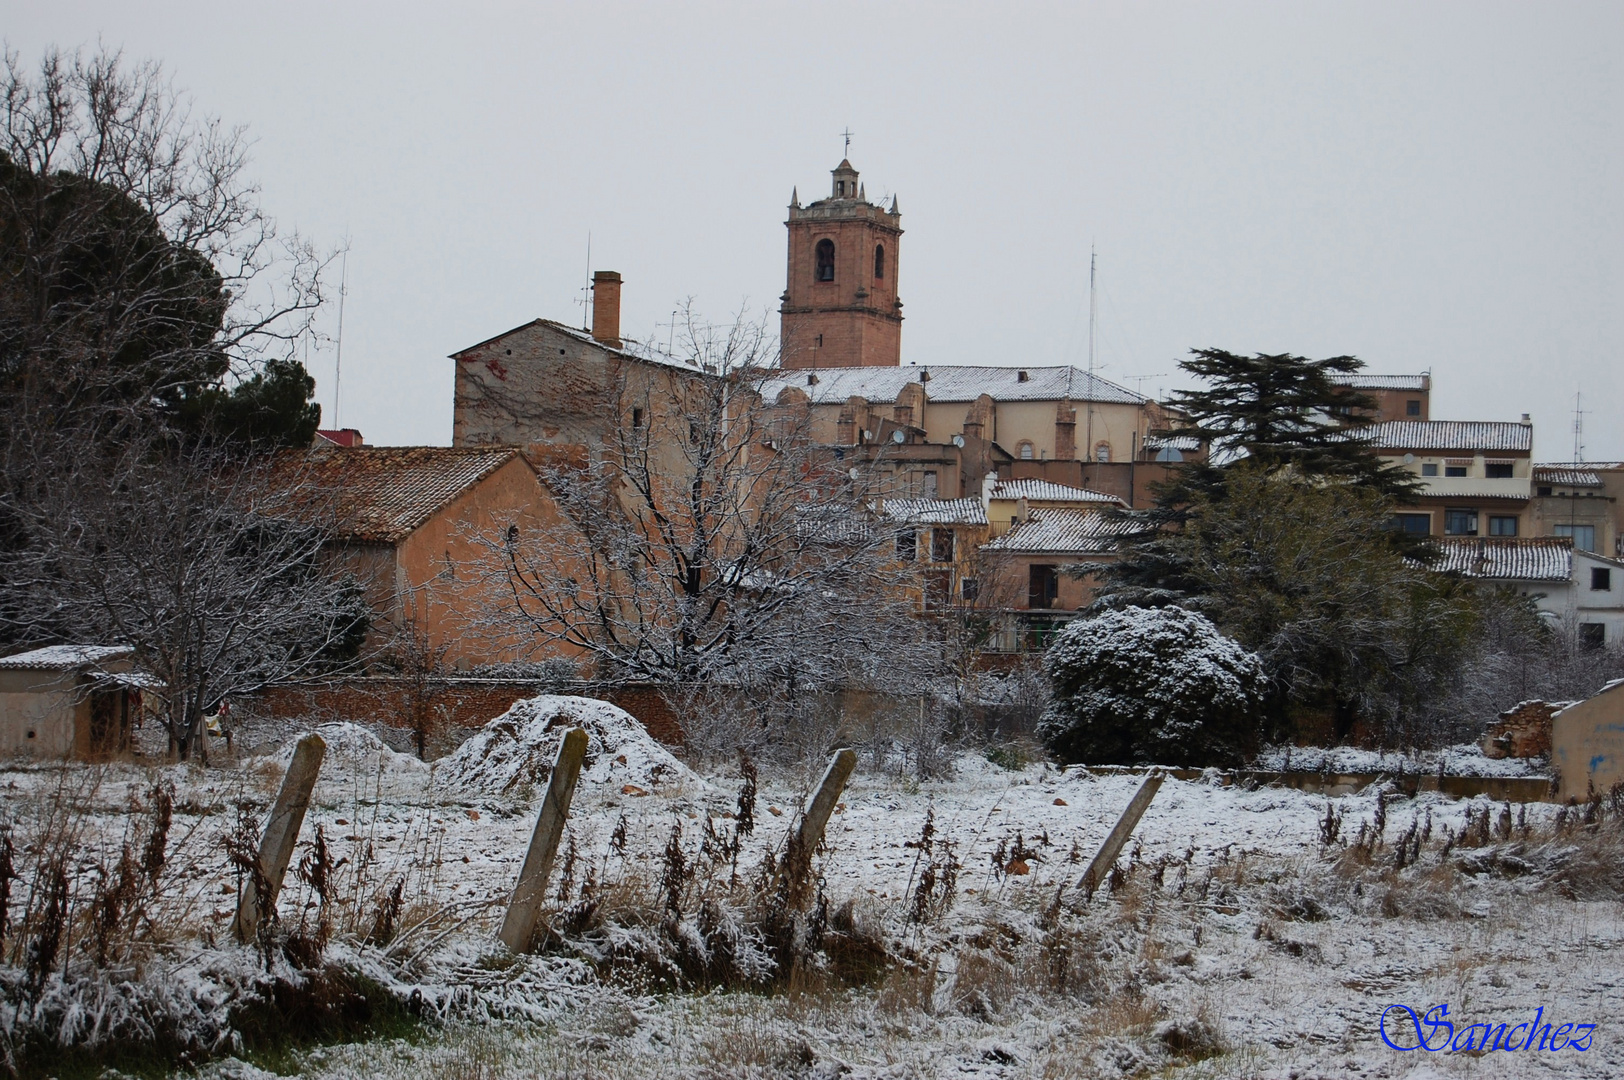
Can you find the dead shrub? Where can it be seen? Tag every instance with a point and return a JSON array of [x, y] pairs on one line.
[[982, 984]]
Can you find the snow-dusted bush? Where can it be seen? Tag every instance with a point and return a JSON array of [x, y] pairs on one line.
[[1151, 685]]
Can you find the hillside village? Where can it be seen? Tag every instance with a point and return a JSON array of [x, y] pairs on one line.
[[777, 701]]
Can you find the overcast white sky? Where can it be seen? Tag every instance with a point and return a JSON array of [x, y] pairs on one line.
[[1423, 185]]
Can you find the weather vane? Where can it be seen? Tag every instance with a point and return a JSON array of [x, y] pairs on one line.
[[847, 134]]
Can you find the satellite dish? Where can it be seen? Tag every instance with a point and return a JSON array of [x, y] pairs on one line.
[[958, 441], [899, 436], [852, 472], [1409, 459]]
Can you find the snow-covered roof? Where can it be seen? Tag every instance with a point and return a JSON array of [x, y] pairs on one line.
[[951, 382], [63, 657], [1447, 435], [1383, 382], [629, 349], [937, 511], [1177, 442], [1034, 490], [1052, 530], [1532, 558], [1566, 475]]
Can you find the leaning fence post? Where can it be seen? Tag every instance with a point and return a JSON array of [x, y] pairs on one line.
[[1106, 857], [281, 832], [809, 830], [524, 909]]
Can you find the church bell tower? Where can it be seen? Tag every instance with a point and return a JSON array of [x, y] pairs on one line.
[[840, 306]]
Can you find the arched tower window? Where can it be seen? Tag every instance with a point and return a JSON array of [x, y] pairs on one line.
[[1026, 451], [1102, 452], [825, 261], [879, 262]]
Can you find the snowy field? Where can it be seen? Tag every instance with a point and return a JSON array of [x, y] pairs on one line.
[[1236, 940]]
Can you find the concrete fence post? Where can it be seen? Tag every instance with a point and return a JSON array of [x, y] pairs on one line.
[[814, 819], [524, 909], [281, 833], [1106, 857]]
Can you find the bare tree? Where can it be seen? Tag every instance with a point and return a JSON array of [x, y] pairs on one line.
[[711, 539], [196, 562]]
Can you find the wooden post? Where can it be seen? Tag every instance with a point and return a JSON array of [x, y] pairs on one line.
[[524, 909], [281, 833], [1106, 857], [808, 835]]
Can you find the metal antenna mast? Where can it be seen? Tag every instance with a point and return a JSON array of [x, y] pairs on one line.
[[1578, 427], [1088, 427], [338, 361], [848, 134], [586, 290]]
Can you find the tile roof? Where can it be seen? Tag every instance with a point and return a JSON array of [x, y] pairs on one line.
[[631, 350], [63, 657], [968, 511], [1383, 382], [951, 382], [1056, 531], [1177, 442], [1534, 558], [384, 493], [1034, 490], [1566, 475], [1447, 435]]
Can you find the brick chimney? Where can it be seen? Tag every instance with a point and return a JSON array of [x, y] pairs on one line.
[[606, 307]]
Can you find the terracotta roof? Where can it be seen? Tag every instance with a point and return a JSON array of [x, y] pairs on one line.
[[1383, 382], [1056, 531], [1534, 558], [952, 382], [1034, 490], [1566, 475], [63, 657], [937, 511], [1448, 435], [384, 493]]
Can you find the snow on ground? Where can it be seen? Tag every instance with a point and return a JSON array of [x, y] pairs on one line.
[[1214, 943]]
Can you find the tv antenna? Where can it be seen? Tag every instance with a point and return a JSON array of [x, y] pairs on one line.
[[848, 134], [338, 360], [1578, 427], [1140, 379]]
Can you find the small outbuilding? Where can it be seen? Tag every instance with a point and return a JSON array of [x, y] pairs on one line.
[[78, 701], [1587, 743]]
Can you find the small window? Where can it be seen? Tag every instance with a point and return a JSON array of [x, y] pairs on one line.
[[879, 262], [1412, 408], [1601, 579], [1043, 586], [970, 588], [929, 487], [1025, 451], [1413, 524], [1583, 536], [1021, 376], [1498, 470], [1454, 470], [1544, 491], [1102, 452], [1429, 470], [637, 418], [1502, 526], [1460, 522], [941, 545], [1592, 635], [825, 265], [907, 545], [819, 345]]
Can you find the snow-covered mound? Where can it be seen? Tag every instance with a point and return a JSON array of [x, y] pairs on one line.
[[1467, 759], [354, 751], [519, 748]]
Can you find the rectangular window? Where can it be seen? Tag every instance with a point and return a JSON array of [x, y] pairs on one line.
[[1043, 586], [1454, 470], [1544, 491], [1592, 635], [1583, 536], [971, 589], [1412, 408], [941, 545], [907, 545], [1460, 522], [1502, 526], [637, 418], [1429, 469], [928, 489], [1414, 524], [1601, 579], [938, 589], [1498, 470]]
